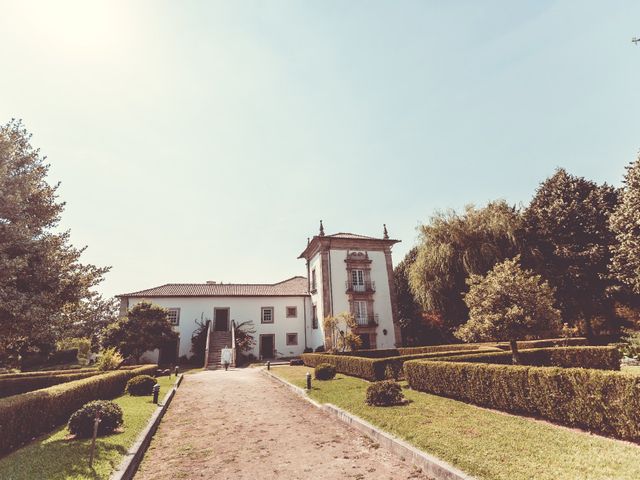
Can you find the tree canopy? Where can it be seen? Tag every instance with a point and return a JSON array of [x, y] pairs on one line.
[[41, 274], [508, 303], [452, 247], [146, 327], [625, 225], [569, 240]]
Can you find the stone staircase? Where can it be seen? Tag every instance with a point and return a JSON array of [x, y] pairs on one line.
[[217, 341]]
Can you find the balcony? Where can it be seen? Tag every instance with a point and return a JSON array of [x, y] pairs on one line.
[[370, 320], [365, 287]]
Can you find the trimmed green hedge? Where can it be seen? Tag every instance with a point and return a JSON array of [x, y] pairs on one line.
[[15, 386], [374, 369], [603, 401], [42, 373], [25, 416], [601, 358], [546, 342]]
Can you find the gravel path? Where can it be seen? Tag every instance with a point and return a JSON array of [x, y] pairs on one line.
[[242, 425]]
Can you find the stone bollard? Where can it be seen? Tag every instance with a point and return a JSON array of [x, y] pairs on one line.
[[308, 380], [156, 392], [176, 370], [268, 365]]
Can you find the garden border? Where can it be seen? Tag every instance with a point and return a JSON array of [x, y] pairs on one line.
[[132, 459], [428, 463]]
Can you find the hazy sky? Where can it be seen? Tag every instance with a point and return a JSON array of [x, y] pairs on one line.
[[200, 140]]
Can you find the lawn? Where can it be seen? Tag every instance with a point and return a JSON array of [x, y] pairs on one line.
[[486, 444], [52, 456]]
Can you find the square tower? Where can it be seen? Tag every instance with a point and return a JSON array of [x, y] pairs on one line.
[[353, 273]]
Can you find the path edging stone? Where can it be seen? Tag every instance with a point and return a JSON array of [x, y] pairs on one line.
[[131, 461], [429, 464]]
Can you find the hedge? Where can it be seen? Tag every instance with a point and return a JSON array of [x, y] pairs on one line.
[[603, 401], [23, 417], [374, 369], [41, 373], [546, 342], [601, 358], [17, 385]]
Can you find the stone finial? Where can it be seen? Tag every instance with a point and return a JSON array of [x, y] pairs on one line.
[[308, 241], [321, 229], [386, 234]]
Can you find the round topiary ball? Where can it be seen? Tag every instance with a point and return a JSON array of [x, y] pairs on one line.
[[141, 385], [81, 422], [385, 394], [324, 371]]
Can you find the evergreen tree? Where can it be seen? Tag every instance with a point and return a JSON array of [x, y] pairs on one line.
[[568, 243], [40, 271], [625, 225]]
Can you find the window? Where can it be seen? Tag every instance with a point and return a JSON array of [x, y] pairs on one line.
[[313, 280], [292, 339], [360, 312], [267, 315], [314, 318], [357, 280], [292, 312], [173, 314]]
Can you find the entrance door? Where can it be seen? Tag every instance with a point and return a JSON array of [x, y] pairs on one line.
[[221, 319], [267, 346], [169, 353]]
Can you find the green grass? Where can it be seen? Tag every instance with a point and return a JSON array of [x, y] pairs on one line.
[[54, 457], [486, 444]]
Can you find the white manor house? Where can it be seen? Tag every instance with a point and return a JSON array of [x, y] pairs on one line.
[[345, 273]]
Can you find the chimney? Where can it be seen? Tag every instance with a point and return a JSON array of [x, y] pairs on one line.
[[211, 282]]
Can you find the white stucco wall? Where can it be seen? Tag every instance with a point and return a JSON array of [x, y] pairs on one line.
[[316, 336], [240, 309]]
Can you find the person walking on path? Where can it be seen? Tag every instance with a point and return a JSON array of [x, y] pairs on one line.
[[226, 355]]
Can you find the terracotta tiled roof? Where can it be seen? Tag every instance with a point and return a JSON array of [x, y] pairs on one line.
[[295, 286]]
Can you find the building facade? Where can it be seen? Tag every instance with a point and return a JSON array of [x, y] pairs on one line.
[[345, 273]]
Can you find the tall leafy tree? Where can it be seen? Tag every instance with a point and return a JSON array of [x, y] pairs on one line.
[[416, 330], [509, 304], [454, 246], [567, 225], [625, 225], [146, 327], [40, 271]]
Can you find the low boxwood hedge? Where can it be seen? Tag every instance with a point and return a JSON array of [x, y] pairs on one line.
[[603, 401], [41, 373], [374, 369], [17, 385], [546, 342], [601, 358], [23, 417]]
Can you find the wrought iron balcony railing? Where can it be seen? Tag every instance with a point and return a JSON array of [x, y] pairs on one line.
[[370, 320], [365, 287]]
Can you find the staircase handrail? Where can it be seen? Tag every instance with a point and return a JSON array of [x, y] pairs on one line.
[[206, 350], [233, 342]]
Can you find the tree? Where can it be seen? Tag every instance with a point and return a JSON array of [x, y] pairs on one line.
[[416, 330], [89, 318], [339, 330], [243, 332], [199, 340], [454, 246], [625, 225], [568, 235], [508, 304], [146, 327], [40, 271]]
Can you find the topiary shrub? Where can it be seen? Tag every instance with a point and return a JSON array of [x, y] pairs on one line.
[[324, 371], [384, 394], [109, 359], [81, 422], [141, 385]]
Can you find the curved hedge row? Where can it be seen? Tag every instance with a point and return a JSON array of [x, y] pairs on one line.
[[604, 401], [601, 358], [374, 369], [17, 385], [25, 416]]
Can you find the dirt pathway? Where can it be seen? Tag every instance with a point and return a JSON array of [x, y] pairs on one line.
[[242, 425]]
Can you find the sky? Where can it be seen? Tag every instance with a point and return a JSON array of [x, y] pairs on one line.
[[204, 140]]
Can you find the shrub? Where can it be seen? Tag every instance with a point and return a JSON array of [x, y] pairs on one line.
[[385, 394], [109, 359], [324, 371], [603, 401], [82, 421], [141, 385], [17, 385], [82, 344], [308, 350], [25, 416], [631, 344], [319, 348]]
